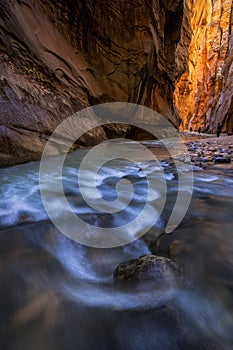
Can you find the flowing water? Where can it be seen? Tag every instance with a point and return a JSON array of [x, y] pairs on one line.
[[58, 294]]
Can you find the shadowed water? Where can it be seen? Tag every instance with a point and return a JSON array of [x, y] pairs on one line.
[[58, 294]]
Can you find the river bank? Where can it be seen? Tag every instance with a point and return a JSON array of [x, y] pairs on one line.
[[212, 151], [204, 151]]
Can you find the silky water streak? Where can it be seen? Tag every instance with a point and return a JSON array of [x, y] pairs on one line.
[[75, 126]]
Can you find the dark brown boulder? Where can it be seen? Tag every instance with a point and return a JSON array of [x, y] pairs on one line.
[[147, 268]]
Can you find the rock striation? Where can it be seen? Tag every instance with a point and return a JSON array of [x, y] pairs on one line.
[[59, 57], [204, 93]]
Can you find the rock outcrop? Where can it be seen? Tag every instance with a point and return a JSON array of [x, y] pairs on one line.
[[204, 94], [59, 57]]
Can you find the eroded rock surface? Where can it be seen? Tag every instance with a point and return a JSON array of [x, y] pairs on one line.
[[204, 94], [147, 268], [59, 57]]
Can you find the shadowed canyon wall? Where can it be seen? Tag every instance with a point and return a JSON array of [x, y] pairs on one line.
[[59, 57], [204, 94]]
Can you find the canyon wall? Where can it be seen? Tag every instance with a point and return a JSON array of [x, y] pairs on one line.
[[59, 57], [204, 93]]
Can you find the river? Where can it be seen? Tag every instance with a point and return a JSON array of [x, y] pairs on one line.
[[58, 294]]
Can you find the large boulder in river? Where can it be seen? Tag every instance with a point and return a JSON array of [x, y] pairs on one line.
[[148, 268]]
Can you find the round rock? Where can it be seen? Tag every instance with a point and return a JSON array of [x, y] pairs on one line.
[[147, 267]]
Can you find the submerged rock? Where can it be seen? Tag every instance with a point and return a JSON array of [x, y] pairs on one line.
[[177, 247]]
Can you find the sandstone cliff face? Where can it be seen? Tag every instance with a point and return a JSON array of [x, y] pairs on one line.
[[223, 111], [58, 57], [204, 94]]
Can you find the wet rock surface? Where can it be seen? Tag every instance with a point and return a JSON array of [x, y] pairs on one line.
[[212, 151], [147, 268]]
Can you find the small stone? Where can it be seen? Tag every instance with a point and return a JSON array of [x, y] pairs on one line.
[[219, 160], [193, 157], [205, 159]]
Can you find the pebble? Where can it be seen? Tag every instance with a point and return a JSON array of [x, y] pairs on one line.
[[222, 160], [210, 152]]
